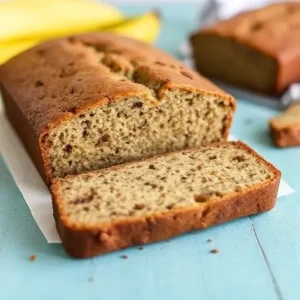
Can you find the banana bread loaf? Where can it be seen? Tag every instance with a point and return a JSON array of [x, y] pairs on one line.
[[97, 100], [158, 198], [285, 128], [256, 50]]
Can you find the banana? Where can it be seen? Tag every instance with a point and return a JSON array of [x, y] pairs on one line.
[[29, 19], [145, 27], [8, 50]]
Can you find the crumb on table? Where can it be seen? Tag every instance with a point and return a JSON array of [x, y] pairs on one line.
[[209, 240], [32, 258], [214, 251], [124, 256]]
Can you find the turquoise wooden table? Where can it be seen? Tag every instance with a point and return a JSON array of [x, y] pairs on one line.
[[259, 257]]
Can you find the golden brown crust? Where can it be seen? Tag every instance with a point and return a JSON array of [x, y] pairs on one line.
[[57, 80], [94, 240], [273, 30]]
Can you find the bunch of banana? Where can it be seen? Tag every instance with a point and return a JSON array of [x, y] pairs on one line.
[[25, 23]]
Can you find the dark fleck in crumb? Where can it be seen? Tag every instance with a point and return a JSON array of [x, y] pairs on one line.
[[103, 139], [170, 206], [214, 251], [141, 248], [138, 104], [239, 158], [68, 148], [213, 157], [124, 256], [152, 167], [91, 279], [32, 258], [144, 123], [139, 206], [84, 133], [201, 198], [209, 240], [154, 186]]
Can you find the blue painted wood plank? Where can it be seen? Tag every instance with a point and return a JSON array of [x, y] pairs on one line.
[[279, 230]]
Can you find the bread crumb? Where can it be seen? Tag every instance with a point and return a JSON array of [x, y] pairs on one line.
[[124, 256], [168, 241], [214, 251], [91, 278], [32, 258], [209, 240], [141, 248]]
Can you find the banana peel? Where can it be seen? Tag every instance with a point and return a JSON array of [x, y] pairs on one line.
[[145, 27], [33, 19]]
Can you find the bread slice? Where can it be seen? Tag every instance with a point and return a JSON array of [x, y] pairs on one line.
[[156, 199], [285, 128], [97, 100], [257, 50]]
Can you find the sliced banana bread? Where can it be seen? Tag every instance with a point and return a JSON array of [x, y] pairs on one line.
[[257, 50], [161, 197], [97, 100], [285, 128]]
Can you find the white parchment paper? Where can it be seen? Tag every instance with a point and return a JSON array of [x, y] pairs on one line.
[[33, 189]]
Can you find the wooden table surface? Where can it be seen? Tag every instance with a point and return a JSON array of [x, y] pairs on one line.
[[259, 257]]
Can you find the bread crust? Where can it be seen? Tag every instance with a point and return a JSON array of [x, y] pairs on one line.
[[285, 136], [88, 241], [273, 30], [41, 83]]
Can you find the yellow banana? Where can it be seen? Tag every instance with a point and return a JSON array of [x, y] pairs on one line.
[[8, 50], [145, 27], [23, 19]]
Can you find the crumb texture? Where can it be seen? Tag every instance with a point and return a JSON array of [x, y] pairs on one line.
[[179, 180], [96, 100], [135, 127]]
